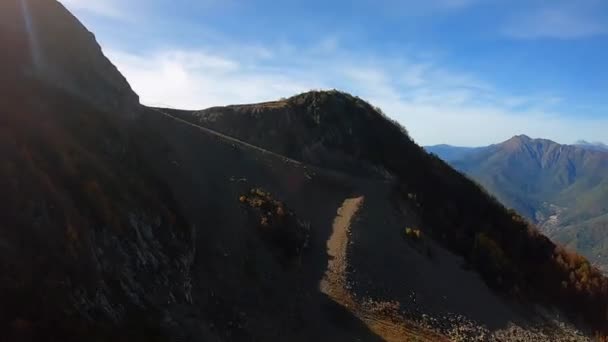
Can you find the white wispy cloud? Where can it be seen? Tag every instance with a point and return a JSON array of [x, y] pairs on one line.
[[453, 4], [560, 20], [435, 103], [106, 8], [197, 79]]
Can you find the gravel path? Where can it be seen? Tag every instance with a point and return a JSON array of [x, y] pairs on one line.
[[335, 285]]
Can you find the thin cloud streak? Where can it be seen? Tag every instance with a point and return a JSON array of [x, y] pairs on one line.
[[104, 8], [196, 80], [436, 104], [558, 21]]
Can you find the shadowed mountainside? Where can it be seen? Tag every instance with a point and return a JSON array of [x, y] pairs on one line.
[[454, 210]]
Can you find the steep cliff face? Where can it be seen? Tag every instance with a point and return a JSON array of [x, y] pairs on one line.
[[44, 41], [88, 236]]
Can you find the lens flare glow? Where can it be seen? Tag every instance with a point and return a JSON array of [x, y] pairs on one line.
[[31, 34]]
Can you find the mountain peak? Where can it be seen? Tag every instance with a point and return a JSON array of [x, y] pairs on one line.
[[517, 142], [320, 97], [522, 137]]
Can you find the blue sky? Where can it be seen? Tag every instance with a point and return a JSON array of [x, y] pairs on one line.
[[463, 72]]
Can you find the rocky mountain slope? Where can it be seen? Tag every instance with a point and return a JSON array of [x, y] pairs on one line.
[[562, 188], [313, 218], [442, 196]]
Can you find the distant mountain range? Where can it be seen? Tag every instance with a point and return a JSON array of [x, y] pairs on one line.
[[561, 188]]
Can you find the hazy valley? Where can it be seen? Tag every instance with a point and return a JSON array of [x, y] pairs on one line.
[[561, 188]]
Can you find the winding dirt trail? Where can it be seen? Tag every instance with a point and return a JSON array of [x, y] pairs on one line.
[[334, 283]]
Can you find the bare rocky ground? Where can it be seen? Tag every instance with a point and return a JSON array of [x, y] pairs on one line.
[[409, 320], [386, 324], [400, 290]]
